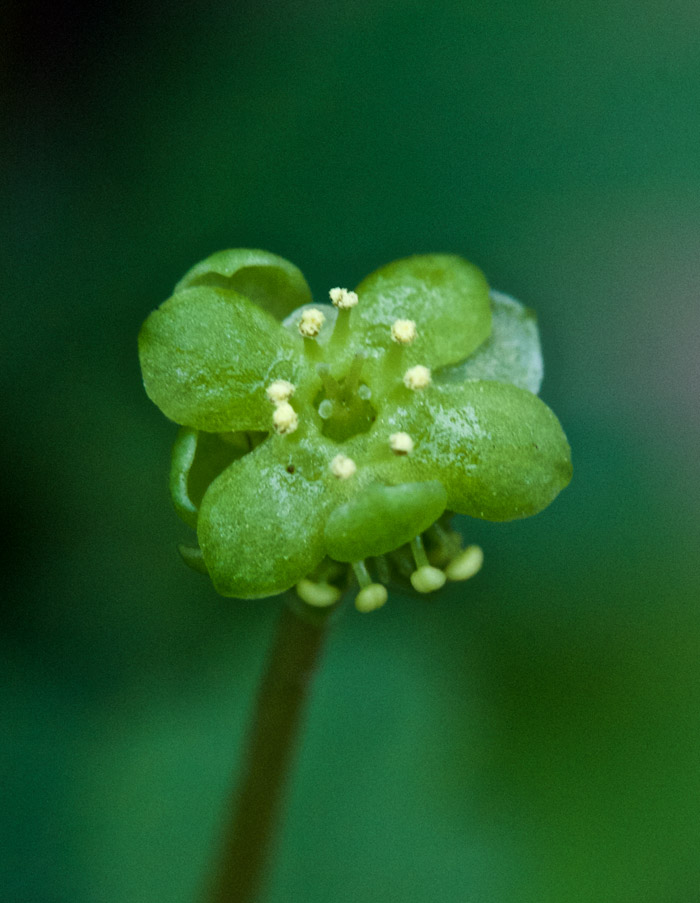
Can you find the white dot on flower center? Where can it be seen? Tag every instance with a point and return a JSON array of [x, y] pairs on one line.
[[311, 322], [417, 377], [343, 467], [342, 298]]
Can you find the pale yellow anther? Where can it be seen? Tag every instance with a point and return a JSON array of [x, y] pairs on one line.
[[311, 322], [401, 443], [417, 377], [371, 597], [285, 419], [466, 564], [319, 595], [280, 390], [428, 579], [404, 331], [343, 467], [342, 298]]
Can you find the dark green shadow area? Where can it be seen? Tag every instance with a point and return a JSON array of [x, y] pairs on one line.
[[530, 737]]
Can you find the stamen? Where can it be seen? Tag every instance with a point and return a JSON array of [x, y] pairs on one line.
[[426, 578], [343, 467], [371, 595], [330, 383], [285, 419], [280, 390], [417, 377], [319, 595], [353, 375], [404, 332], [383, 571], [401, 443], [343, 299], [445, 544], [311, 322], [466, 564], [362, 574]]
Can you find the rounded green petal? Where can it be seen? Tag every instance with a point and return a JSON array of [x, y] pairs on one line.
[[207, 355], [447, 297], [260, 526], [270, 281], [381, 518], [511, 354], [498, 450]]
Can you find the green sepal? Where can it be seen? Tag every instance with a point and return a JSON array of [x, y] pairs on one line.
[[511, 354], [181, 460], [270, 281], [261, 521], [207, 355], [498, 450], [447, 297], [197, 460], [193, 558], [381, 518]]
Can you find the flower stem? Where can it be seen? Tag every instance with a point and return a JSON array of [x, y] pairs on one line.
[[256, 805]]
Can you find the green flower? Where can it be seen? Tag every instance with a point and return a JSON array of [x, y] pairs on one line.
[[322, 441]]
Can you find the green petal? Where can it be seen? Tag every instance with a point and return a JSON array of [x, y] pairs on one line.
[[511, 354], [270, 281], [260, 527], [381, 518], [499, 451], [446, 296], [207, 356]]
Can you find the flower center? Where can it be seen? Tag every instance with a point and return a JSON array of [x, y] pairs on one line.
[[344, 405]]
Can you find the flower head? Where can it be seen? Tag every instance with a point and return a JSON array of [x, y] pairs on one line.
[[324, 444]]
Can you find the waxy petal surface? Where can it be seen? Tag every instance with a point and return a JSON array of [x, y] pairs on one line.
[[260, 527], [447, 297], [207, 355], [498, 450], [381, 518]]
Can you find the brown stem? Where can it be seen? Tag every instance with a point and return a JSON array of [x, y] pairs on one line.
[[270, 750]]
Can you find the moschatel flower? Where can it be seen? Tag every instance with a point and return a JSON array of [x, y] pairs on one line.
[[320, 441]]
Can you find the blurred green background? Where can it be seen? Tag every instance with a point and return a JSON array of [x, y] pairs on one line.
[[531, 737]]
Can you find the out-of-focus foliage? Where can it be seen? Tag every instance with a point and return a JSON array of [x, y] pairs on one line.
[[532, 737]]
